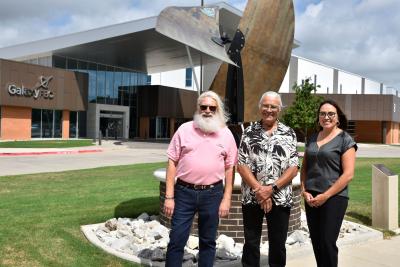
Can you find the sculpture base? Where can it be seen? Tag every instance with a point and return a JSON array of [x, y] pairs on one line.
[[232, 226]]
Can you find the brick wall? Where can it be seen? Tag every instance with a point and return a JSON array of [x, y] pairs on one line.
[[65, 124], [16, 123], [368, 131], [233, 225]]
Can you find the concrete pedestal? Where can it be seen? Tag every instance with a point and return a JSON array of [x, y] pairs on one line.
[[384, 198]]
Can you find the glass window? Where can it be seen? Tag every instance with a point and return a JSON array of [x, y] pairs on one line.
[[123, 90], [189, 73], [117, 84], [81, 124], [71, 64], [109, 86], [82, 66], [162, 127], [152, 128], [148, 80], [47, 123], [92, 70], [36, 127], [133, 123], [57, 124], [45, 61], [133, 78], [59, 62], [72, 124], [101, 84]]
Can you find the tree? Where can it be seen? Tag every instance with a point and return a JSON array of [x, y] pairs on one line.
[[301, 114]]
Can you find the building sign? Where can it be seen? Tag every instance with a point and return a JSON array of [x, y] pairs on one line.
[[41, 89]]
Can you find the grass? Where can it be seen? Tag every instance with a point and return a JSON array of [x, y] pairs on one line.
[[41, 214], [47, 143]]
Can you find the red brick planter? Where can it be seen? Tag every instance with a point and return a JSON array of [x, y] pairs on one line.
[[233, 225]]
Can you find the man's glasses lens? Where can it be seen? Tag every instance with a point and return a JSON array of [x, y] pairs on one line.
[[212, 108], [272, 107], [329, 114]]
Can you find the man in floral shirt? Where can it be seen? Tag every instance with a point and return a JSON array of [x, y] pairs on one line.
[[268, 161]]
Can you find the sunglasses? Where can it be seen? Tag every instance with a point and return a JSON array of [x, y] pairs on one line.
[[330, 115], [212, 108]]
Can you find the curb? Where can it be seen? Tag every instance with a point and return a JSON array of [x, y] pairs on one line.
[[88, 232], [64, 152]]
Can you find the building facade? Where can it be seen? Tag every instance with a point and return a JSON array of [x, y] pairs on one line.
[[40, 102], [371, 107], [96, 83]]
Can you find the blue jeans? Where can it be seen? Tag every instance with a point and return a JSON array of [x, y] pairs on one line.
[[187, 203]]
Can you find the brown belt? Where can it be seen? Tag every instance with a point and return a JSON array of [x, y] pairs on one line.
[[197, 186]]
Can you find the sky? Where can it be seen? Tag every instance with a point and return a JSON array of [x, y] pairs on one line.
[[359, 36]]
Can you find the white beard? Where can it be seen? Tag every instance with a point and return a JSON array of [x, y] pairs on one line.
[[208, 124]]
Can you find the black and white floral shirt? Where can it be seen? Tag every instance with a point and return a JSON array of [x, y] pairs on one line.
[[268, 157]]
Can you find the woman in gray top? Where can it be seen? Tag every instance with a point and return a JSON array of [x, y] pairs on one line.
[[327, 169]]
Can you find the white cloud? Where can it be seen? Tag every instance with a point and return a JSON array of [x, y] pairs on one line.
[[357, 36], [314, 10]]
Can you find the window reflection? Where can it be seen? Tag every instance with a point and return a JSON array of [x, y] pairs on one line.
[[46, 123], [107, 85], [36, 123], [73, 124]]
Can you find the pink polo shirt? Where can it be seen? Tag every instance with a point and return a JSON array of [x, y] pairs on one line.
[[202, 158]]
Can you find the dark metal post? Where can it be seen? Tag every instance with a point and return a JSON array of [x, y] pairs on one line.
[[201, 65]]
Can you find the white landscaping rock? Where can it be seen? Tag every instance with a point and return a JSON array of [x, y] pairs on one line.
[[193, 242], [298, 236], [225, 242], [146, 237]]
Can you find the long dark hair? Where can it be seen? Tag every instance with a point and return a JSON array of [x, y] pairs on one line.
[[341, 117]]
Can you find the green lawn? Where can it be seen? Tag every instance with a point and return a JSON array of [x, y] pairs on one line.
[[47, 143], [41, 213]]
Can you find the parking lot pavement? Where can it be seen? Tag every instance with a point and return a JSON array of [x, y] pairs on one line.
[[378, 151]]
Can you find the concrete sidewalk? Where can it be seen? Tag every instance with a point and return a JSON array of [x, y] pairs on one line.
[[384, 252], [15, 161]]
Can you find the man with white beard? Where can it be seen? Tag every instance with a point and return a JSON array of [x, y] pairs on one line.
[[202, 153]]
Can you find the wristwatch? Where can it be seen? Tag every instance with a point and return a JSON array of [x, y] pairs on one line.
[[275, 187]]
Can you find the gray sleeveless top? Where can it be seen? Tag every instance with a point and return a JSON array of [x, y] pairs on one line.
[[324, 165]]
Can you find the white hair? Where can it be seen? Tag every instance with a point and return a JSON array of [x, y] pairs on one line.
[[224, 116], [272, 94]]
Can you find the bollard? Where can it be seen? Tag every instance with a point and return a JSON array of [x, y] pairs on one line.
[[385, 212], [100, 138]]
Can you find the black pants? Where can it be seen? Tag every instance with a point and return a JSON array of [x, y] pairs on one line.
[[324, 224], [277, 224]]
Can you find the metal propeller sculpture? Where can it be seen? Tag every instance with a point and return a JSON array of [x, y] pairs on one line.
[[255, 57]]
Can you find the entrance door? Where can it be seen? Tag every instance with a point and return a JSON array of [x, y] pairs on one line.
[[111, 128]]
